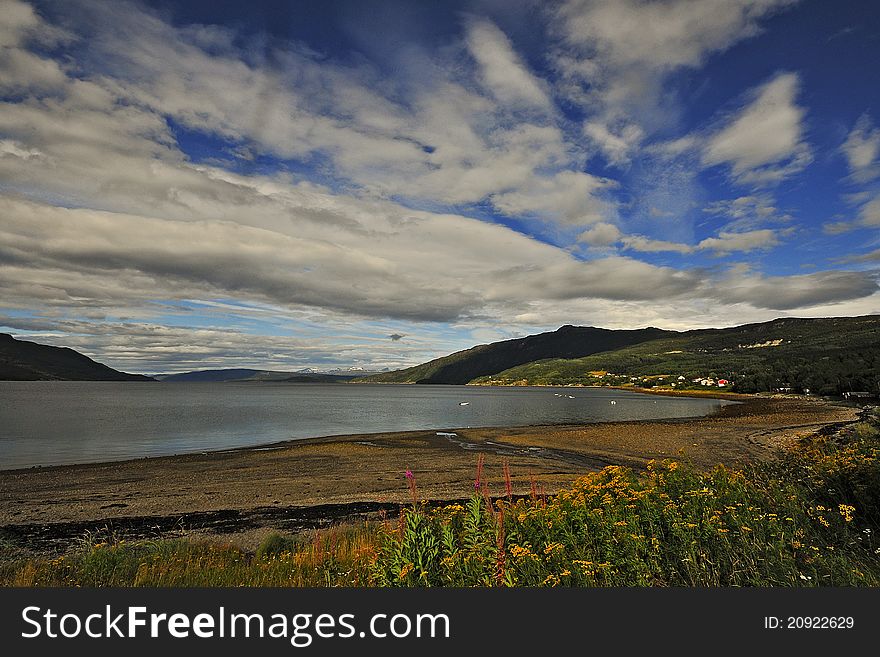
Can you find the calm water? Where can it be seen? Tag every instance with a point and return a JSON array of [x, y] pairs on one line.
[[50, 423]]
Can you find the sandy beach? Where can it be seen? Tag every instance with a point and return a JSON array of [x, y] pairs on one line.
[[243, 494]]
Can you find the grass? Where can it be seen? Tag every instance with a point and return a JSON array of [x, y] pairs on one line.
[[809, 518], [340, 557]]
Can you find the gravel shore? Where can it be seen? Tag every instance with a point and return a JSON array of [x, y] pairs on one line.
[[309, 483]]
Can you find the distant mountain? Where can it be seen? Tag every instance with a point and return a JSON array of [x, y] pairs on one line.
[[21, 360], [248, 375], [824, 355], [566, 342]]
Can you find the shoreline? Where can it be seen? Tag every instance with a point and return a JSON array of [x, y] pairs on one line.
[[279, 444], [243, 493]]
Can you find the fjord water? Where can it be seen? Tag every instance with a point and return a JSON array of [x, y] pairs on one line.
[[61, 422]]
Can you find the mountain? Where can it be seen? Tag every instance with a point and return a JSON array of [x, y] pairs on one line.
[[21, 360], [566, 342], [825, 356], [248, 375]]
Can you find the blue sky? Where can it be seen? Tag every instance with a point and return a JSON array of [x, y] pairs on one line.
[[373, 184]]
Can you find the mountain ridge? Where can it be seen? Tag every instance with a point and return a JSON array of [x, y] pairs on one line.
[[22, 360], [827, 355], [565, 342]]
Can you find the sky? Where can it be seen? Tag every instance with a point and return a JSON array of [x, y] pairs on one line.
[[289, 185]]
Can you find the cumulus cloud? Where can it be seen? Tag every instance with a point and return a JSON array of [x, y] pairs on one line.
[[602, 234], [764, 141]]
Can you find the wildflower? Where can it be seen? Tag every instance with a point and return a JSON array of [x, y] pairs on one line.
[[411, 482], [517, 551], [806, 578], [846, 511], [550, 580]]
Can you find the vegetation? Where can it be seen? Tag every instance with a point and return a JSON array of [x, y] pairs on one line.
[[566, 342], [810, 518], [341, 557], [825, 356]]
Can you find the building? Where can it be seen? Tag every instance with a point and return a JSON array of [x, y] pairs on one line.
[[860, 396]]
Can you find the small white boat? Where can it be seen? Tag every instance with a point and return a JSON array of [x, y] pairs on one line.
[[463, 403], [613, 402], [570, 397]]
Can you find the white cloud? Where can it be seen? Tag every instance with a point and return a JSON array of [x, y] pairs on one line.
[[748, 212], [502, 70], [617, 55], [617, 146], [648, 245], [788, 292], [105, 215], [764, 141], [663, 35], [868, 215], [602, 234], [862, 149], [725, 243], [728, 242], [569, 197]]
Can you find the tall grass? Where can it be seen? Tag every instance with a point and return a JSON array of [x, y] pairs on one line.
[[342, 556], [810, 518]]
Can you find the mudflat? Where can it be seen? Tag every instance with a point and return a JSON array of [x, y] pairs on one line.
[[310, 483]]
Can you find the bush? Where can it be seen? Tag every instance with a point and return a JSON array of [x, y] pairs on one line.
[[808, 519], [276, 544]]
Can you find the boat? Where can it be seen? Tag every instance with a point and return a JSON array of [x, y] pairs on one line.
[[463, 403]]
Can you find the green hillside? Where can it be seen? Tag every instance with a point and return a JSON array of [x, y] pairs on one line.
[[486, 359], [826, 356]]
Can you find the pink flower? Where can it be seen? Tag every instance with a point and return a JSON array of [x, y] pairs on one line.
[[409, 475]]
